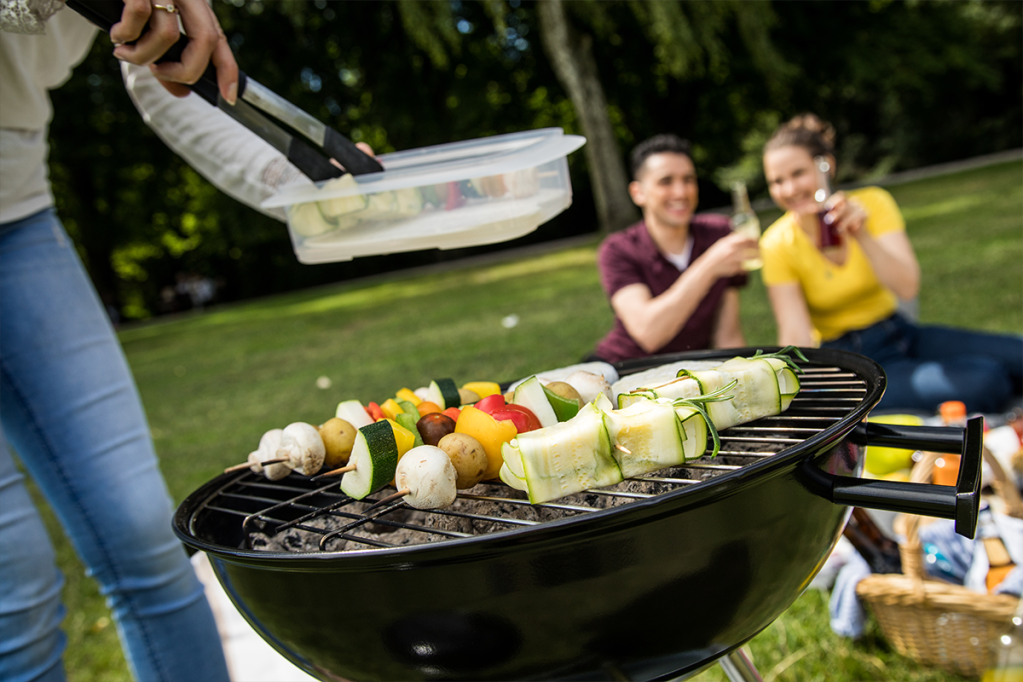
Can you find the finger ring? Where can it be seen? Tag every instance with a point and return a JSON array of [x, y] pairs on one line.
[[169, 8]]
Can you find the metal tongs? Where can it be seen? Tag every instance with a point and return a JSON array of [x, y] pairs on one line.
[[260, 110]]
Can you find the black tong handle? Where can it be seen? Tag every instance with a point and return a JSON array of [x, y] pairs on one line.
[[106, 13]]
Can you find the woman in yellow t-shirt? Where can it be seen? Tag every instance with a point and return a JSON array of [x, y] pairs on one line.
[[847, 295]]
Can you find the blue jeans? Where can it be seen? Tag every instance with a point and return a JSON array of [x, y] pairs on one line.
[[70, 409], [927, 365]]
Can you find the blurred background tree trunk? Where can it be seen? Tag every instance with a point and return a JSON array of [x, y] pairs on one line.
[[571, 56]]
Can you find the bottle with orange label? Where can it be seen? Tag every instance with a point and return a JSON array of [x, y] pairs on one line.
[[946, 467]]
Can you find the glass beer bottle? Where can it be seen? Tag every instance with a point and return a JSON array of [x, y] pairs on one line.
[[830, 237], [745, 221]]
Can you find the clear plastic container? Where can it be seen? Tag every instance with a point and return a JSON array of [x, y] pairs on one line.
[[448, 196]]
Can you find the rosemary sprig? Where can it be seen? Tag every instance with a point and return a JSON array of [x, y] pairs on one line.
[[698, 406], [783, 355]]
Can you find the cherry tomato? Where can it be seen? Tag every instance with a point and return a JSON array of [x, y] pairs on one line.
[[453, 412], [426, 407]]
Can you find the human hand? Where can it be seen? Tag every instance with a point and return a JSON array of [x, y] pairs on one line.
[[206, 43], [363, 147], [846, 214], [725, 256]]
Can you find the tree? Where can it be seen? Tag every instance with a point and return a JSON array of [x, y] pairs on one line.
[[683, 47], [571, 55], [401, 75]]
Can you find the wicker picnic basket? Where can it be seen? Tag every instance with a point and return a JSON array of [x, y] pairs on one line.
[[934, 622]]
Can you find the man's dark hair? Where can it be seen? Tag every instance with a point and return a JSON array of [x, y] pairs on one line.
[[658, 144]]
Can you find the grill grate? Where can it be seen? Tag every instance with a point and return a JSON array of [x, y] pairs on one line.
[[309, 514]]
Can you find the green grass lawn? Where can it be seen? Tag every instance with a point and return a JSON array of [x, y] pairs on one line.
[[212, 383]]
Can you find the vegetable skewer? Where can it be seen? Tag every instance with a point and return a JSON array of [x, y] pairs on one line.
[[249, 465], [653, 428]]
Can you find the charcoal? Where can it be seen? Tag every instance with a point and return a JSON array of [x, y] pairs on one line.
[[399, 525]]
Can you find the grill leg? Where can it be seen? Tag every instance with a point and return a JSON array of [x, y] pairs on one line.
[[738, 667]]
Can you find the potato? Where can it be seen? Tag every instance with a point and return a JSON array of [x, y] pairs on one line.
[[434, 426], [566, 391], [468, 457], [467, 397], [338, 438]]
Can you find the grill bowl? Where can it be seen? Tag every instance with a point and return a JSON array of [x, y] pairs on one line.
[[648, 590]]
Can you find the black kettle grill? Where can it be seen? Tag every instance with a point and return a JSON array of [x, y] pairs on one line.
[[652, 579]]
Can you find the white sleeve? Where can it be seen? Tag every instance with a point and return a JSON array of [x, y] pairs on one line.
[[226, 153]]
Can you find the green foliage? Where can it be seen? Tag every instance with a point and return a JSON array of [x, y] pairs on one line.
[[212, 383], [906, 84]]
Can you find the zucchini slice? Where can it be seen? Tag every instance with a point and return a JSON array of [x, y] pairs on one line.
[[693, 428], [566, 458], [648, 437], [444, 392], [332, 208], [375, 456], [531, 395], [353, 412]]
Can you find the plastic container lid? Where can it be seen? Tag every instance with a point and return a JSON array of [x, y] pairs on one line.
[[504, 187]]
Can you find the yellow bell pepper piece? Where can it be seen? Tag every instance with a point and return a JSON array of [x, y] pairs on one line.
[[482, 388], [489, 432], [406, 394], [391, 408], [403, 438]]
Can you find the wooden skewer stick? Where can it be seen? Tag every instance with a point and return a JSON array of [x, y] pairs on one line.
[[623, 449], [246, 465], [390, 498], [337, 472]]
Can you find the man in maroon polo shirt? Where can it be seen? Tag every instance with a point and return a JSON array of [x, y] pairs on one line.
[[673, 278]]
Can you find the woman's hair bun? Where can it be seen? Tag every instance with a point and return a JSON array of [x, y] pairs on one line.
[[807, 131]]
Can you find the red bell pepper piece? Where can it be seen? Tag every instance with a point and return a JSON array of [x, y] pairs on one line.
[[490, 404], [375, 412], [532, 423]]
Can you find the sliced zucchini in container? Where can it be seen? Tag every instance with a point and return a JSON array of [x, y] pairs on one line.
[[331, 208], [375, 456], [306, 220], [408, 201]]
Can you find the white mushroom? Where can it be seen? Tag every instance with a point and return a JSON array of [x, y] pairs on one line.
[[428, 475], [267, 450], [302, 445], [589, 385]]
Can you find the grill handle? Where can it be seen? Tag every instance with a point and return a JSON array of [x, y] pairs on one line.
[[961, 503]]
